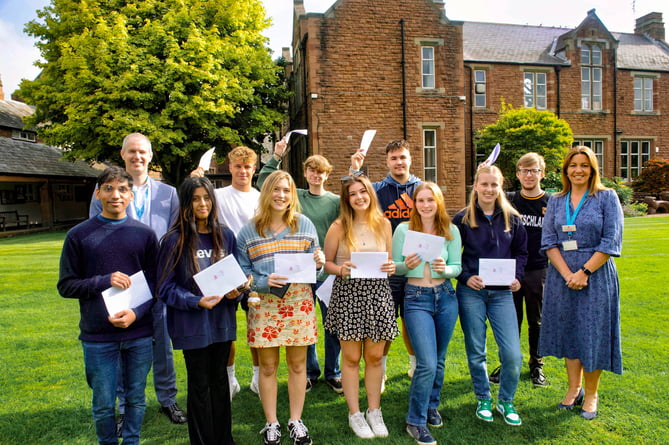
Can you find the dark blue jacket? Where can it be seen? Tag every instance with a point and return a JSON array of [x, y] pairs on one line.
[[189, 325], [489, 240]]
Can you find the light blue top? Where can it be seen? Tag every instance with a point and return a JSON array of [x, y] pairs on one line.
[[451, 252]]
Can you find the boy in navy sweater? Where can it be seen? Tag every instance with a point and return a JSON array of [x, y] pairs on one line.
[[98, 253]]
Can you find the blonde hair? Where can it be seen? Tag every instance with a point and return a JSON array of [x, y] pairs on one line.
[[318, 163], [507, 209], [441, 219], [373, 217], [243, 154], [594, 181], [530, 159], [263, 216]]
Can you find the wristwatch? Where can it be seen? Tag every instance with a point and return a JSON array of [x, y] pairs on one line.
[[586, 271]]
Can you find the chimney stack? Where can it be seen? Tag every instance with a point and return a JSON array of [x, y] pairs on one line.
[[651, 25]]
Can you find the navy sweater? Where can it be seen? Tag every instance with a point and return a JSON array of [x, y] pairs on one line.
[[189, 325], [395, 199], [489, 240], [92, 251]]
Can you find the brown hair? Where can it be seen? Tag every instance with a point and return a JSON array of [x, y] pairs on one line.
[[243, 154], [318, 163], [441, 219], [594, 181], [374, 218]]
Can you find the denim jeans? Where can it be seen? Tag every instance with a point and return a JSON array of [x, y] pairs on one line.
[[497, 306], [429, 316], [332, 350], [102, 360], [164, 374]]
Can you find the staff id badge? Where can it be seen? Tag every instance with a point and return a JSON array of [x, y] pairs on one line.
[[569, 245], [569, 228]]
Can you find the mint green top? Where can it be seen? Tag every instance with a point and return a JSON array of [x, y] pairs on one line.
[[451, 252], [322, 210]]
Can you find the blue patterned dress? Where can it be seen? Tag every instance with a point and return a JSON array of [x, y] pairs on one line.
[[584, 324]]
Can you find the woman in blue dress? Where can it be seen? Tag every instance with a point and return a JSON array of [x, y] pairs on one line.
[[581, 315]]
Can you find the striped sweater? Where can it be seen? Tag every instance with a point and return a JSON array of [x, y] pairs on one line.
[[256, 253]]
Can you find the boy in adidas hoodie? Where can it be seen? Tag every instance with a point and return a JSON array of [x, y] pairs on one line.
[[395, 195]]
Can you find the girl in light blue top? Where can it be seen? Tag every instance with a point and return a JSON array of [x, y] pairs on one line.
[[430, 306]]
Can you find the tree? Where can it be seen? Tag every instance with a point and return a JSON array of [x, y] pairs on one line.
[[522, 130], [189, 74]]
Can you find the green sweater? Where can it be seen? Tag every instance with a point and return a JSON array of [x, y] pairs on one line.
[[322, 210]]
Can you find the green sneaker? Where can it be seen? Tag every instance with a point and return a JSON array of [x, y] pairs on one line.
[[484, 409], [507, 410]]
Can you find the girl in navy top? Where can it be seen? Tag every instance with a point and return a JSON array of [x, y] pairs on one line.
[[202, 326]]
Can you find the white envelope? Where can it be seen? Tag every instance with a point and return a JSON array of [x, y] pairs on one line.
[[117, 299], [302, 132], [324, 292], [368, 264], [366, 141], [428, 247], [497, 271], [205, 160], [298, 267], [220, 278]]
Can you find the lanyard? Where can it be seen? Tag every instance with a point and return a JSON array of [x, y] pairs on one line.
[[571, 219]]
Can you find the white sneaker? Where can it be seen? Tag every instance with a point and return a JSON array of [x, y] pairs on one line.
[[254, 387], [360, 426], [375, 421], [234, 387]]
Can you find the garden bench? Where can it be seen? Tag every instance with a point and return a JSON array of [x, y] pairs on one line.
[[12, 218]]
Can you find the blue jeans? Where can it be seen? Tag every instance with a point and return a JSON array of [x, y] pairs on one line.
[[429, 316], [497, 306], [102, 360], [332, 349], [164, 374]]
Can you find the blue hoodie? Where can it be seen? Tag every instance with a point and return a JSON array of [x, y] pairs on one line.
[[395, 199]]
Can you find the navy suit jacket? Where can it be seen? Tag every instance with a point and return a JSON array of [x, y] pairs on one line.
[[164, 207]]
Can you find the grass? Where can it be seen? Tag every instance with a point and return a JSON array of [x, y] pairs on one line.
[[44, 398]]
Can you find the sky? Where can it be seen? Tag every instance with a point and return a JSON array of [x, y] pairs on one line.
[[17, 50]]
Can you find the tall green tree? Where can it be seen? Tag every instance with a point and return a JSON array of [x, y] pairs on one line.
[[189, 74], [522, 130]]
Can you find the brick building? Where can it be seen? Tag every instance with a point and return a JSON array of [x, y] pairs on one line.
[[403, 68]]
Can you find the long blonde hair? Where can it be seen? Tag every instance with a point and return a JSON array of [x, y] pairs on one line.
[[441, 219], [507, 209], [263, 217], [373, 217], [594, 181]]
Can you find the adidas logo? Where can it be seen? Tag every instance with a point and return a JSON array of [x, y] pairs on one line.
[[401, 208]]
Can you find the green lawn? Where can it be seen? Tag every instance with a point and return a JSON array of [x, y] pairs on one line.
[[44, 398]]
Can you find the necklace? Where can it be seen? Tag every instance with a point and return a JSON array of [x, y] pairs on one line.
[[278, 229]]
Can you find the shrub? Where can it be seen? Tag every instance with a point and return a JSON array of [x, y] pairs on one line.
[[624, 192], [635, 209], [654, 178]]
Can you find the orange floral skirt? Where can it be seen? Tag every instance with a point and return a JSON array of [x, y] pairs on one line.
[[287, 321]]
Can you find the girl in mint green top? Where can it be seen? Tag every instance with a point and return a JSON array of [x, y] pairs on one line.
[[430, 305]]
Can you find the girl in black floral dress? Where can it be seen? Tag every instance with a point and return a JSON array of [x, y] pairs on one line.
[[361, 311]]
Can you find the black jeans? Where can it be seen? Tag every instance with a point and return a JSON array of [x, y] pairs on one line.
[[532, 291], [209, 414]]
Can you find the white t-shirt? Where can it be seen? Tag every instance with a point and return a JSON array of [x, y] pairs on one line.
[[236, 208]]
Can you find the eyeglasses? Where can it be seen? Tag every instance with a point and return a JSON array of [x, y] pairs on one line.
[[529, 171], [107, 188], [355, 174]]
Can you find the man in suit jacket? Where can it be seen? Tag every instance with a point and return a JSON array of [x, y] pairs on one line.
[[155, 204]]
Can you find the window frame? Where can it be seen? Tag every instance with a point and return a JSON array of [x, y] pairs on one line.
[[430, 172], [535, 94], [591, 77], [597, 146], [480, 98], [643, 94], [631, 164], [431, 63]]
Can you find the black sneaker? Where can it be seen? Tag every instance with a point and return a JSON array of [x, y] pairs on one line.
[[174, 413], [434, 418], [335, 384], [494, 376], [119, 425], [538, 377], [299, 433], [421, 435], [271, 434]]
